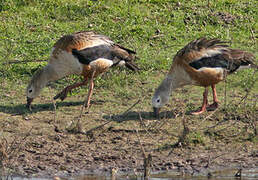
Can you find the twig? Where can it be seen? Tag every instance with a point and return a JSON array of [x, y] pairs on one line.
[[239, 173], [141, 120], [138, 137], [225, 93], [55, 113], [213, 126], [19, 146], [113, 173], [248, 90], [230, 125], [9, 52], [97, 127], [210, 159], [23, 62], [207, 117], [182, 137], [127, 111], [157, 36], [143, 124], [147, 159], [252, 34]]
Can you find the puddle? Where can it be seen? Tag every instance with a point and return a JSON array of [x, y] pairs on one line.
[[246, 174]]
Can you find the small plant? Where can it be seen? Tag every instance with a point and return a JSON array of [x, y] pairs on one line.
[[196, 138]]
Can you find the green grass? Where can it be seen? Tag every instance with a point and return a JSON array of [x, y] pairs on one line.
[[156, 29], [29, 28]]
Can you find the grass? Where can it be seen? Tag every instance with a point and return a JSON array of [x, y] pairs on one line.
[[156, 29]]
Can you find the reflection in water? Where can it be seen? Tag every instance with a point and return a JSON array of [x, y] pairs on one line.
[[225, 174]]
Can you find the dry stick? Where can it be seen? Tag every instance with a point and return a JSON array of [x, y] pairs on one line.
[[225, 93], [141, 121], [55, 113], [4, 145], [144, 126], [248, 90], [230, 125], [239, 173], [185, 131], [22, 62], [12, 144], [147, 159], [9, 52], [113, 173], [207, 117], [143, 151], [162, 123], [146, 129], [127, 111], [213, 126], [252, 34], [182, 137], [97, 127], [19, 146], [157, 36], [213, 158]]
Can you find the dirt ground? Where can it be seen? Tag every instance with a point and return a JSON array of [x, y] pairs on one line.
[[48, 142]]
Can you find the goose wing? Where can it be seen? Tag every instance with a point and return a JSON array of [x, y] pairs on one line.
[[213, 53]]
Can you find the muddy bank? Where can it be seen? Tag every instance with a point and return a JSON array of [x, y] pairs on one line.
[[53, 149]]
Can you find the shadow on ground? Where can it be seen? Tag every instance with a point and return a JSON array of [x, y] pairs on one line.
[[22, 109], [133, 115]]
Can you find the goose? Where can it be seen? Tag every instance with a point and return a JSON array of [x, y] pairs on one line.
[[84, 53], [202, 62]]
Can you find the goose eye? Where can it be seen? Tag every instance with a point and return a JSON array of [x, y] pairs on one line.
[[158, 100], [30, 91]]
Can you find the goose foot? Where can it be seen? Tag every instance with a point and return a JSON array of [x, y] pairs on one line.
[[213, 106], [62, 95], [198, 112]]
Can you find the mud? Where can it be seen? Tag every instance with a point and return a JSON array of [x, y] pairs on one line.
[[51, 150]]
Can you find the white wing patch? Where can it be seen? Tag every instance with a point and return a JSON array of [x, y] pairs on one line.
[[217, 69], [101, 62], [121, 63], [244, 67]]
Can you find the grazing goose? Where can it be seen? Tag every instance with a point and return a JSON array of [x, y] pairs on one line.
[[83, 53], [202, 62]]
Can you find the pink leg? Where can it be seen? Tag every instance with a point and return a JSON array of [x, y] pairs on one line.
[[91, 86], [215, 104], [62, 95], [204, 103]]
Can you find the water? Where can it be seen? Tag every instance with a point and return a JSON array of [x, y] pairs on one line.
[[224, 174]]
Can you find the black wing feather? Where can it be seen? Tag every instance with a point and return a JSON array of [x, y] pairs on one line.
[[87, 55], [219, 60], [115, 53]]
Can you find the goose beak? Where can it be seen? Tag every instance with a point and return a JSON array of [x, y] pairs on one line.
[[29, 101], [156, 112]]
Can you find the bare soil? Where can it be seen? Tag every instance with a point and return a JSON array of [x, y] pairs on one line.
[[48, 142]]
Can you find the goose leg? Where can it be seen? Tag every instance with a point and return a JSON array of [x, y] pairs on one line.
[[62, 95], [91, 86], [204, 103], [215, 104]]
